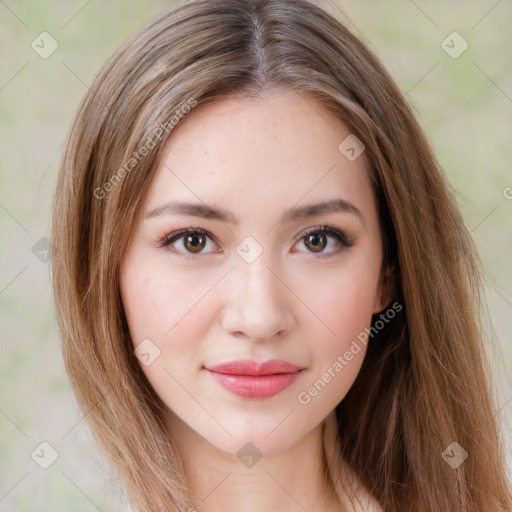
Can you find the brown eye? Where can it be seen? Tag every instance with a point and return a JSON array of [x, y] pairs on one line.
[[316, 242], [194, 243], [188, 241]]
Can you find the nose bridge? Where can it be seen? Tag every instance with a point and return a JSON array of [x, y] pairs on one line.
[[263, 287], [261, 303]]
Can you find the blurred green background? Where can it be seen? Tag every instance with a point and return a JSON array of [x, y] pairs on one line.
[[463, 103]]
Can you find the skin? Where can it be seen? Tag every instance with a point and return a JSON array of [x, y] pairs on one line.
[[302, 303]]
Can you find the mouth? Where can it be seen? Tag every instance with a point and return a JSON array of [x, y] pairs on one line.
[[251, 379]]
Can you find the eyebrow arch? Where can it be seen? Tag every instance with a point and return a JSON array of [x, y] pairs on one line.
[[215, 213]]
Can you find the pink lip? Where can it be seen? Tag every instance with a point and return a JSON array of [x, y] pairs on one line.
[[255, 380]]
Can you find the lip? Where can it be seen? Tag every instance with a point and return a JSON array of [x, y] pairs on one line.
[[251, 379]]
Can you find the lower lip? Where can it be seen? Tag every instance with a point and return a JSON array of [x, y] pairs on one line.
[[261, 386]]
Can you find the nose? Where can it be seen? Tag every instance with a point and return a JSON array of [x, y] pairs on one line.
[[260, 304]]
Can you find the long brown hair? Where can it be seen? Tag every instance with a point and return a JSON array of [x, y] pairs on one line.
[[424, 383]]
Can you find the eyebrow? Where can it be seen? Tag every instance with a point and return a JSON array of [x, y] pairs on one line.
[[216, 213]]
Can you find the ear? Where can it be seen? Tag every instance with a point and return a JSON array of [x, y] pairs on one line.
[[385, 289]]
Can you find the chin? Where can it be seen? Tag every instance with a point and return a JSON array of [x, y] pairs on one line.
[[254, 445]]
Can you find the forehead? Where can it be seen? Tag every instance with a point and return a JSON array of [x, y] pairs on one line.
[[254, 153]]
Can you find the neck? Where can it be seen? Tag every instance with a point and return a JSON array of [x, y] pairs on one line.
[[292, 481]]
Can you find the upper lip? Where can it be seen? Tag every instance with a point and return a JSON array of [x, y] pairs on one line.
[[249, 367]]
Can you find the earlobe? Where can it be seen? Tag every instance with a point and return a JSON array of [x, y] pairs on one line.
[[385, 290]]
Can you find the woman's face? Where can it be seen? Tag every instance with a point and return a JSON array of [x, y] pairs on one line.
[[283, 263]]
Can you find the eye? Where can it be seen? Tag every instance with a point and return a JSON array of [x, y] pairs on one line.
[[317, 239], [192, 241]]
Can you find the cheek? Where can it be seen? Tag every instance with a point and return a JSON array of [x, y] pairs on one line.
[[155, 299], [348, 315], [343, 300], [343, 303], [350, 310], [170, 308]]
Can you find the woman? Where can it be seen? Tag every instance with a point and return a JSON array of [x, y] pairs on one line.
[[258, 281]]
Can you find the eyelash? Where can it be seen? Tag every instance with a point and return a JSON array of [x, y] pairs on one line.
[[340, 237]]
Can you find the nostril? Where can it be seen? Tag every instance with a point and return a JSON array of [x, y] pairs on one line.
[[278, 334]]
